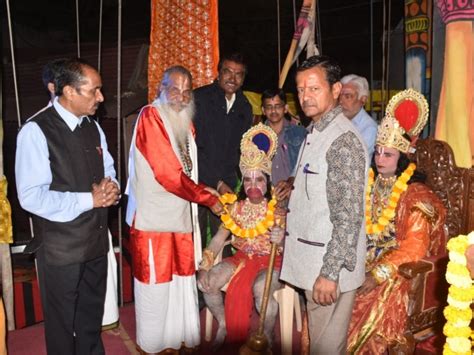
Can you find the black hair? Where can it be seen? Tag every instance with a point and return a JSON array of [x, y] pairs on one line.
[[50, 71], [402, 164], [70, 73], [235, 57], [330, 66], [271, 93]]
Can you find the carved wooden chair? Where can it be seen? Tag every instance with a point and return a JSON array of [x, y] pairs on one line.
[[427, 297]]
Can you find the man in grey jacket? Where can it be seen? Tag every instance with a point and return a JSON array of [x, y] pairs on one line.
[[325, 246]]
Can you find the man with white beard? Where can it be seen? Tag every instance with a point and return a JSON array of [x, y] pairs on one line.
[[162, 183]]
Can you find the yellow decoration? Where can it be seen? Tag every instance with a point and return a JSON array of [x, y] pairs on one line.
[[458, 312], [6, 233], [388, 213], [261, 227]]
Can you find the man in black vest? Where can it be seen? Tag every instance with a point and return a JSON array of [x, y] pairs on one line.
[[65, 178]]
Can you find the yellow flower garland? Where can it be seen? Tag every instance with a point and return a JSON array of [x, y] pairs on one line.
[[262, 225], [458, 312], [388, 213], [6, 234]]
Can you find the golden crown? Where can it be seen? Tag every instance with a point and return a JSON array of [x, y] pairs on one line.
[[257, 148], [406, 112]]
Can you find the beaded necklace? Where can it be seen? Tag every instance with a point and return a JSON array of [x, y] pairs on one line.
[[388, 213], [260, 227], [186, 158]]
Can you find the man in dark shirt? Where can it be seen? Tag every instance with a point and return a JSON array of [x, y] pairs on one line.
[[223, 114], [290, 136]]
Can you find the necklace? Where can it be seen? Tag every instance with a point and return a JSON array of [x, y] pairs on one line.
[[388, 213], [259, 227], [186, 158], [249, 214]]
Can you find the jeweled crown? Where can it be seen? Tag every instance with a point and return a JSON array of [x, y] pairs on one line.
[[257, 148], [407, 112]]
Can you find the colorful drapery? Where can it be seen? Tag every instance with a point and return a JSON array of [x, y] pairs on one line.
[[455, 121], [183, 32]]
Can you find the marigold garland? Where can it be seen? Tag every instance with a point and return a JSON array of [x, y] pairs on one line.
[[6, 234], [261, 227], [388, 213], [458, 312]]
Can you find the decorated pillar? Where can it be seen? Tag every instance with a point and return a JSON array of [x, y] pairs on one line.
[[418, 28], [455, 120]]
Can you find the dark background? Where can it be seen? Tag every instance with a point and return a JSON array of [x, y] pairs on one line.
[[44, 30], [49, 28]]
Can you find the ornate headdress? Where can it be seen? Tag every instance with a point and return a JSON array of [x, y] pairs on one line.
[[257, 148], [406, 112]]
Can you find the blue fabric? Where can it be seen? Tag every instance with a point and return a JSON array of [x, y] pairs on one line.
[[294, 137], [367, 127], [262, 141]]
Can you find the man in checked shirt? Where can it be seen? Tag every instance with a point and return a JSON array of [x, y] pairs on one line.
[[325, 247]]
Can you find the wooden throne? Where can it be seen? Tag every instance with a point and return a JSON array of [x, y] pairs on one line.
[[428, 293]]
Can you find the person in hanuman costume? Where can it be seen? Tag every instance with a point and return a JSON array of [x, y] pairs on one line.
[[255, 221], [404, 223]]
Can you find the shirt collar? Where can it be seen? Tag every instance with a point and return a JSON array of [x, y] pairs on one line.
[[358, 117], [230, 102], [71, 119], [286, 123], [324, 121]]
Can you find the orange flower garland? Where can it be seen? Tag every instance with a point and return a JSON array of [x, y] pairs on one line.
[[388, 213], [262, 225]]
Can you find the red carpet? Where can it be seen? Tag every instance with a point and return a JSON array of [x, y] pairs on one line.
[[30, 340]]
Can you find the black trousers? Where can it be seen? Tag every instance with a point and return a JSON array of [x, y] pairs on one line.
[[73, 298]]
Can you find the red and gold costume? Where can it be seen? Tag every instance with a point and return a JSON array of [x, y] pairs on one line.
[[408, 233], [249, 223], [252, 257], [380, 317]]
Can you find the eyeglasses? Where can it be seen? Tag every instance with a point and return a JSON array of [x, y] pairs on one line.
[[276, 107]]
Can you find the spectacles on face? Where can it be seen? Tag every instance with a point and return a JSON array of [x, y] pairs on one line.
[[276, 107]]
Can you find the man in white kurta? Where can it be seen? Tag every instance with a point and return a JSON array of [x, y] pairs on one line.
[[162, 183]]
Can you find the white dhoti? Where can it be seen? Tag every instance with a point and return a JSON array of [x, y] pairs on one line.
[[111, 310], [167, 314]]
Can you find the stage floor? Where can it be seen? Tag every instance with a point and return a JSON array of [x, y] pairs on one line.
[[30, 340]]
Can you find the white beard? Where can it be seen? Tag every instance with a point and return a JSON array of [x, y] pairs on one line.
[[180, 122]]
